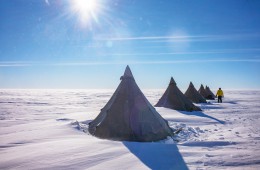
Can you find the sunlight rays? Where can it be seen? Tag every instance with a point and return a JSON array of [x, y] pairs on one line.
[[86, 11]]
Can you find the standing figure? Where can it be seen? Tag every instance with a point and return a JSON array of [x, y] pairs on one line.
[[220, 94]]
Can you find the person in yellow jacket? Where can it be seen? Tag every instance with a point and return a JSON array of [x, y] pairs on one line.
[[220, 94]]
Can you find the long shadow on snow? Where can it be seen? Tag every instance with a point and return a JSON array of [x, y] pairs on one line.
[[157, 155], [201, 114], [154, 155]]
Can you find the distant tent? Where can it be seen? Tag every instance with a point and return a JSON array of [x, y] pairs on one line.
[[210, 95], [203, 92], [194, 95], [173, 98], [129, 116]]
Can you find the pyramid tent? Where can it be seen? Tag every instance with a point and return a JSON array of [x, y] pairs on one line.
[[173, 98], [129, 116], [192, 94], [210, 94], [202, 91]]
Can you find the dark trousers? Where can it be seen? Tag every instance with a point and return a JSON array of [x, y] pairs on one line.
[[219, 99]]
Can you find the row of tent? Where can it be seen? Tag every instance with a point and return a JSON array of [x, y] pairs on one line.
[[129, 116], [173, 98]]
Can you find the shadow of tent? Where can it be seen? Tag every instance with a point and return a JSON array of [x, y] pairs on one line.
[[157, 155], [201, 114]]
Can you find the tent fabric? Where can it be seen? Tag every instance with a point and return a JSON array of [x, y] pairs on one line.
[[173, 98], [128, 116], [192, 94], [202, 91], [210, 94]]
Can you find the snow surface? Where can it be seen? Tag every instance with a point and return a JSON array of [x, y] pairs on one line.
[[39, 129]]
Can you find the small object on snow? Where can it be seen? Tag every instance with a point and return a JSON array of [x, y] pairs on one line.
[[177, 131]]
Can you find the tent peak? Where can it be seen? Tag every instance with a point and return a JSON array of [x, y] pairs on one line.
[[191, 84], [172, 81], [128, 72]]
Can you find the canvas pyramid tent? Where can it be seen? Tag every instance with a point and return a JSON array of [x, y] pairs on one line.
[[202, 91], [194, 95], [210, 95], [173, 98], [129, 116]]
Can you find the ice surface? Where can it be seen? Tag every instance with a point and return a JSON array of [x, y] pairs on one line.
[[39, 129]]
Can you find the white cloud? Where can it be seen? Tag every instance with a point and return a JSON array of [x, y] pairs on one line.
[[219, 51], [14, 64], [155, 62], [182, 36]]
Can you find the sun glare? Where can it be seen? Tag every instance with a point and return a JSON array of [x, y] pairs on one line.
[[86, 10]]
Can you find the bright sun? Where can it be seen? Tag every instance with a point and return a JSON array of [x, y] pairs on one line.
[[86, 10]]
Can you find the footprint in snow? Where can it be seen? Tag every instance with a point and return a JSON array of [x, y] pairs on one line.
[[64, 119], [207, 155]]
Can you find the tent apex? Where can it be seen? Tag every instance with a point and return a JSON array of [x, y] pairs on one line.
[[128, 72], [172, 81]]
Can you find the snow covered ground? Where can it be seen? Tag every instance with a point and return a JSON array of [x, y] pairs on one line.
[[38, 130]]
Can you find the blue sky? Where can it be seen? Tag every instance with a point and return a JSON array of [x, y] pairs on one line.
[[88, 43]]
